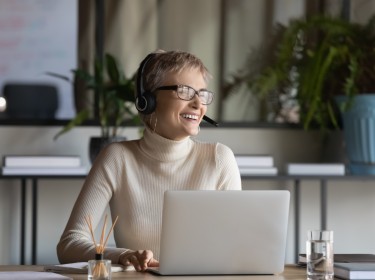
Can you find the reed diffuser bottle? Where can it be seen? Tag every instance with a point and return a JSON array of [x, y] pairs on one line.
[[100, 268]]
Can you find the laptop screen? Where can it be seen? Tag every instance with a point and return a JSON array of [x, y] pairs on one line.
[[224, 232]]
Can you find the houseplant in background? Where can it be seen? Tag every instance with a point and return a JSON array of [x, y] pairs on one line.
[[319, 68], [114, 94]]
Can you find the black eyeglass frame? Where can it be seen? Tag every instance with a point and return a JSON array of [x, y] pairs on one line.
[[196, 92]]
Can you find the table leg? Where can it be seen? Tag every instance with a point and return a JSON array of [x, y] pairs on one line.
[[323, 204], [34, 220], [296, 218], [23, 221]]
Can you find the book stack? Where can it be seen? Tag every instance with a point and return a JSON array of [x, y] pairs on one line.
[[350, 266], [316, 169], [253, 165], [355, 270], [42, 165]]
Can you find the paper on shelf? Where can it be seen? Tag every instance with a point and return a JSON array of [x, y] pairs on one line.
[[315, 169], [50, 171]]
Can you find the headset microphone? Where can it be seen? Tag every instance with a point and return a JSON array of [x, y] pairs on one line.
[[211, 121]]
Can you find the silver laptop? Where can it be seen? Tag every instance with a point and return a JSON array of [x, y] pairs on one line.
[[223, 232]]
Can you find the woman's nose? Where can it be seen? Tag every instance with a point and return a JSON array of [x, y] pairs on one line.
[[196, 102]]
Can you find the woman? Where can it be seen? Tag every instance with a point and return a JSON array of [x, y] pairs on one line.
[[132, 176]]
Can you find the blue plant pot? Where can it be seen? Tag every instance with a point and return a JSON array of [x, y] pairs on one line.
[[359, 133]]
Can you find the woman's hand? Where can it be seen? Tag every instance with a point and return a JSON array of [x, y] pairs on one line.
[[141, 259]]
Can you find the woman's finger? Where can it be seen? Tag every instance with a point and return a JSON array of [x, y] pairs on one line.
[[145, 257], [153, 263], [135, 262]]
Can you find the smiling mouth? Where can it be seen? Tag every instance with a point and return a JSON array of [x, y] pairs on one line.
[[189, 117]]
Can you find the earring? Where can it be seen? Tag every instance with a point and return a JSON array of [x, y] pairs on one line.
[[156, 121]]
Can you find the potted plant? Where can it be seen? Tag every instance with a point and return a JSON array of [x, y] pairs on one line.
[[114, 95], [314, 61]]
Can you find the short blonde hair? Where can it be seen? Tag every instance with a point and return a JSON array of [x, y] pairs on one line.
[[164, 62]]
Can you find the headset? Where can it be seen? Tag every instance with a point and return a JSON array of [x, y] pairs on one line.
[[145, 102]]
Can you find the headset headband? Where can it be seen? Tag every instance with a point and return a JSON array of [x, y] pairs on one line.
[[145, 101]]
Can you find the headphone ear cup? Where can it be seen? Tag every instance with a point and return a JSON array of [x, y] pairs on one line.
[[146, 103], [140, 103]]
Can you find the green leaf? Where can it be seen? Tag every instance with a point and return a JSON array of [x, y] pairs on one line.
[[56, 75], [316, 91], [98, 72], [80, 118], [112, 69], [125, 92]]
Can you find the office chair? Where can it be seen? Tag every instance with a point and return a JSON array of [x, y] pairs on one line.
[[30, 101]]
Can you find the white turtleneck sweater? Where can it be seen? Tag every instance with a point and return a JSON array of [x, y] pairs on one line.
[[131, 177]]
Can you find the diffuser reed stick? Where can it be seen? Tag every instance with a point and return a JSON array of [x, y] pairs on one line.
[[100, 270]]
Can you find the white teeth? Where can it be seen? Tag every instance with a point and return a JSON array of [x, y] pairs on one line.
[[188, 116]]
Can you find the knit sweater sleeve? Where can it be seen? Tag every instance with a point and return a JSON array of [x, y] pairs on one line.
[[230, 178], [76, 242]]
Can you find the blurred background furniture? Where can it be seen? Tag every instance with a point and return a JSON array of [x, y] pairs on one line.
[[30, 101]]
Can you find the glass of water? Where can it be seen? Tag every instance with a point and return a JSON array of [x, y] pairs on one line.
[[319, 254]]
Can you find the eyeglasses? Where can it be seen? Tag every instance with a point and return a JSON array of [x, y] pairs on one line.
[[187, 93]]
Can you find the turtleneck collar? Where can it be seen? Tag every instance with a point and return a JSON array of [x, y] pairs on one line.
[[163, 149]]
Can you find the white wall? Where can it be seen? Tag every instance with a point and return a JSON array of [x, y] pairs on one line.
[[351, 204], [25, 56]]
